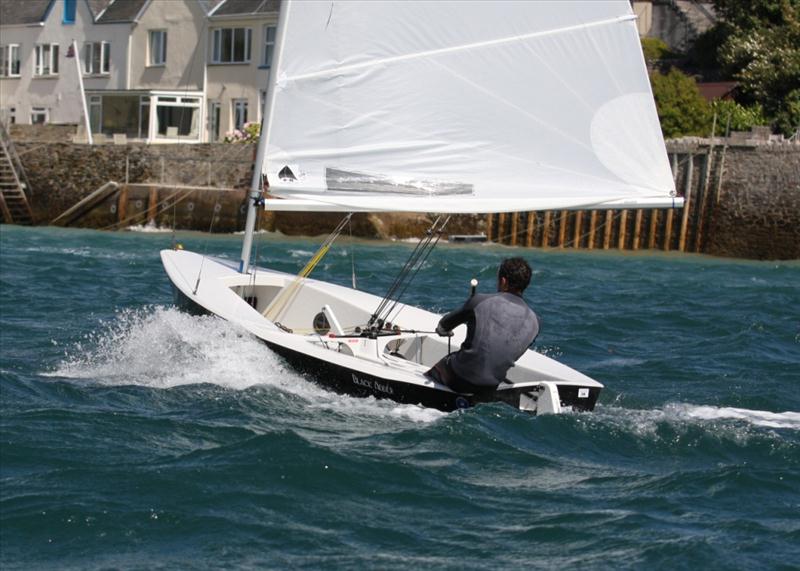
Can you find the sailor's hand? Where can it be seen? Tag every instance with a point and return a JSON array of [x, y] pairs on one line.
[[442, 332]]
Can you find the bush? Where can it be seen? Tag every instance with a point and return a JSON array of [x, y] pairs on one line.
[[681, 108], [247, 134], [742, 118]]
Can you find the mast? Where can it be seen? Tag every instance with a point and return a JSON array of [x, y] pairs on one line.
[[253, 199]]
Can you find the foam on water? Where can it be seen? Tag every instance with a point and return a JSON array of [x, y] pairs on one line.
[[161, 347], [150, 228]]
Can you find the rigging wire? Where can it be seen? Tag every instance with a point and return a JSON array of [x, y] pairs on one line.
[[214, 216], [289, 293], [406, 275], [393, 318], [352, 255]]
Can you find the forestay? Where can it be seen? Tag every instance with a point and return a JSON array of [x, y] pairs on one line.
[[462, 106]]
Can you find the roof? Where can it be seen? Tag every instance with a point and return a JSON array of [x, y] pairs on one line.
[[717, 89], [97, 6], [22, 12], [247, 7], [209, 5], [121, 11]]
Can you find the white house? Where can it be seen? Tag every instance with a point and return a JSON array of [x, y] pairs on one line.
[[241, 39], [39, 80]]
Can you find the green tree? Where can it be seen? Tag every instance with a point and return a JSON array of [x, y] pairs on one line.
[[760, 48], [681, 108]]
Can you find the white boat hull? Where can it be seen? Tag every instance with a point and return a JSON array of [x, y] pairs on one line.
[[390, 365]]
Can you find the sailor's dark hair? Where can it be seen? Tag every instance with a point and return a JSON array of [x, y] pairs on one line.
[[517, 272]]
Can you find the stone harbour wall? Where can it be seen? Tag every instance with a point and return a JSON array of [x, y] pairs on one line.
[[746, 204], [757, 214]]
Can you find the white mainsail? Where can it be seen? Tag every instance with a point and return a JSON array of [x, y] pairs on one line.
[[462, 106]]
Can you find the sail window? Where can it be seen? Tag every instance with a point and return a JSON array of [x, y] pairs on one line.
[[96, 58], [46, 60], [231, 45], [157, 47]]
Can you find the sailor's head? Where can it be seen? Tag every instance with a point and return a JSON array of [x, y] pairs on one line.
[[513, 276]]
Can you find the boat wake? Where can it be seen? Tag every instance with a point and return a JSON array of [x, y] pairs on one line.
[[677, 415], [163, 348]]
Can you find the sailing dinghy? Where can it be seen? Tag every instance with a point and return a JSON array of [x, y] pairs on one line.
[[435, 107]]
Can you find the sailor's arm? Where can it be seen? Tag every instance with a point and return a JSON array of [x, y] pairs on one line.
[[456, 318]]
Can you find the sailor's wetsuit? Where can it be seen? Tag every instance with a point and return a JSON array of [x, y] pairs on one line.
[[500, 327]]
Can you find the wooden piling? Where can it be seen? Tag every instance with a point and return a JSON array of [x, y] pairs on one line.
[[687, 204], [529, 231], [651, 238], [152, 205], [514, 228], [668, 230], [546, 230], [592, 229], [576, 240], [501, 227], [637, 227], [623, 227], [562, 228], [122, 203], [609, 222], [702, 200]]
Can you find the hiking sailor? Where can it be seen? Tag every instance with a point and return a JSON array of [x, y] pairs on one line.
[[500, 327]]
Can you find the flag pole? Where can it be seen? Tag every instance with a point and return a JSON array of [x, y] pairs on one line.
[[86, 122]]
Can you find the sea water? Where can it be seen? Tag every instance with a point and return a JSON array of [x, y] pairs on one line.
[[135, 436]]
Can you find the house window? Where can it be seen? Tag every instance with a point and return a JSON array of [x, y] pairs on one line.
[[69, 11], [39, 115], [214, 115], [231, 45], [13, 60], [157, 47], [269, 45], [96, 58], [239, 113], [178, 117], [262, 102], [95, 113], [46, 60], [144, 117], [4, 61]]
